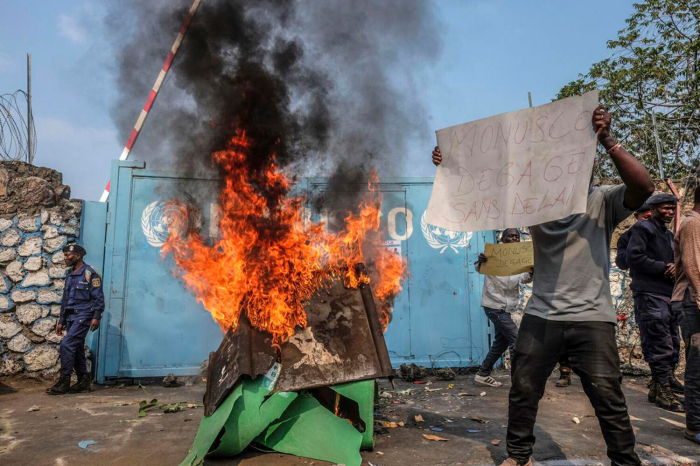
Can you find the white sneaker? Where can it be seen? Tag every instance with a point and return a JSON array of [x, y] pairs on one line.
[[487, 381]]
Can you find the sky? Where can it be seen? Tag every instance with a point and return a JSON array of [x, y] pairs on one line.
[[493, 54]]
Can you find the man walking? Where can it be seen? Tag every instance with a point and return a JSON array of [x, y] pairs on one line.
[[686, 294], [650, 257], [81, 310], [499, 297], [571, 310]]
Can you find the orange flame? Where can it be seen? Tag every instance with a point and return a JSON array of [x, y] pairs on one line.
[[266, 262]]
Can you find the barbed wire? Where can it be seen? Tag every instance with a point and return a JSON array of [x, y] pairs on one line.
[[14, 141]]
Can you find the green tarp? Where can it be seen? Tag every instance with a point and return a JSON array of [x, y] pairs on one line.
[[308, 429], [210, 428], [287, 422], [362, 393], [250, 416]]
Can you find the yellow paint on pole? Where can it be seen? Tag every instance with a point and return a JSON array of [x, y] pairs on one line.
[[508, 259]]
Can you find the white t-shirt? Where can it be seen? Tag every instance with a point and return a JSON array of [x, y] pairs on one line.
[[503, 293]]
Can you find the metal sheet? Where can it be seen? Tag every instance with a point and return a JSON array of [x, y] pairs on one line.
[[339, 345], [243, 352]]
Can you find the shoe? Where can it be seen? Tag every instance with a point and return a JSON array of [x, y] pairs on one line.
[[513, 462], [61, 387], [564, 379], [676, 385], [84, 384], [486, 381], [692, 436], [653, 388], [666, 399]]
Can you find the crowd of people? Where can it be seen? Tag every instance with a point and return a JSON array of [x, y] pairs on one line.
[[570, 319]]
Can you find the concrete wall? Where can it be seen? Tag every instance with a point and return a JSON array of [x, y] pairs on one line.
[[37, 218]]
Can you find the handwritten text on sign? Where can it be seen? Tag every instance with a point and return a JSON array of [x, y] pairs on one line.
[[515, 169], [507, 259]]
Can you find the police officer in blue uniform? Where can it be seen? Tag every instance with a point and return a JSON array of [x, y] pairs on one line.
[[650, 256], [81, 310]]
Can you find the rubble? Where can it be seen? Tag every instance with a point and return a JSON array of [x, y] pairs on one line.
[[171, 381], [445, 373], [411, 372], [27, 189]]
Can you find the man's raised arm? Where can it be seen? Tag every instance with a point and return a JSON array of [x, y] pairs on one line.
[[633, 173]]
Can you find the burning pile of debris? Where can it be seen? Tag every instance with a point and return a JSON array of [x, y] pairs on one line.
[[279, 397], [264, 92], [300, 314]]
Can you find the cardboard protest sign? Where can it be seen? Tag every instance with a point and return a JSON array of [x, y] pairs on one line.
[[515, 169], [508, 259]]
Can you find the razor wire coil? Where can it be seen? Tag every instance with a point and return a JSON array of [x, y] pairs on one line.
[[14, 131]]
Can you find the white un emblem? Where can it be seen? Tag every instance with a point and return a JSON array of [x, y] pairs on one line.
[[158, 215], [439, 238]]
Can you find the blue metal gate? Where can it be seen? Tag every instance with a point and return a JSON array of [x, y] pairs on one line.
[[153, 326]]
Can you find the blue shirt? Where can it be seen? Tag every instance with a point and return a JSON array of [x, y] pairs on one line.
[[83, 292], [649, 250]]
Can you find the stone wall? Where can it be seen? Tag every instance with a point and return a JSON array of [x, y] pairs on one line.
[[37, 219]]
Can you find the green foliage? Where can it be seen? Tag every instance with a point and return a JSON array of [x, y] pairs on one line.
[[654, 68]]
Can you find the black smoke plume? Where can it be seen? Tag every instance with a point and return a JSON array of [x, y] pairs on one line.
[[325, 85]]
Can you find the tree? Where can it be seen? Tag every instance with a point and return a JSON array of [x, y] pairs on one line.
[[654, 68]]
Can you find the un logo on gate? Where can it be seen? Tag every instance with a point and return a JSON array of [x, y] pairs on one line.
[[439, 238], [157, 217]]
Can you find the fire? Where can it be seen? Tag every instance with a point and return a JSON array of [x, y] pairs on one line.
[[267, 262]]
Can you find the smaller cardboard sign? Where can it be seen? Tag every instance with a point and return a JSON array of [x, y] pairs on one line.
[[508, 259]]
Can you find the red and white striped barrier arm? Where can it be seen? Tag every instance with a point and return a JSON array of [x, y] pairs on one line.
[[154, 92]]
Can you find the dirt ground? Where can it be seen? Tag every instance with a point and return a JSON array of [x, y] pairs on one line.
[[37, 429]]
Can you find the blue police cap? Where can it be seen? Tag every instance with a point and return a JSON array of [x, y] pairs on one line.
[[644, 208], [76, 248], [662, 198]]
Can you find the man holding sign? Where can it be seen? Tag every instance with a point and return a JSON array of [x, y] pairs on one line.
[[570, 312], [499, 297]]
